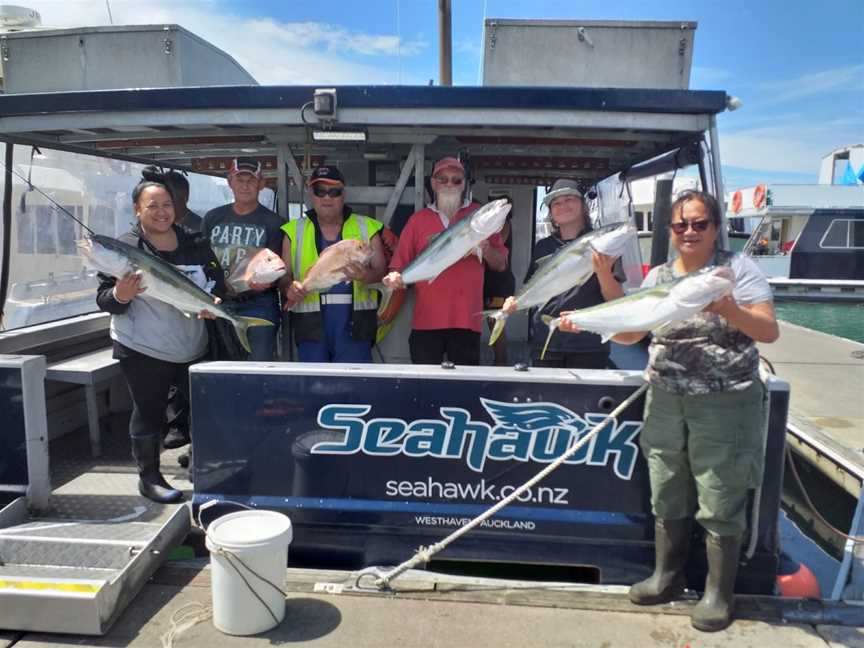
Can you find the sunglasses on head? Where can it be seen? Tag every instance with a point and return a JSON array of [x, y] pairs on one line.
[[683, 225], [454, 180], [333, 192]]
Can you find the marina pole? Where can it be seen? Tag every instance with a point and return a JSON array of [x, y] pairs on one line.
[[445, 44]]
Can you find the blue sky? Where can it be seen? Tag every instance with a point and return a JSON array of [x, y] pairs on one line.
[[798, 66]]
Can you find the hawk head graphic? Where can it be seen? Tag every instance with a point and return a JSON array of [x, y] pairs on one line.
[[531, 416]]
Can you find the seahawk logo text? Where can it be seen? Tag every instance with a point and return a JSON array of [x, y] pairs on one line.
[[539, 432]]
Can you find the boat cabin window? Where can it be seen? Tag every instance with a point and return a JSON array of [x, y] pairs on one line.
[[843, 233], [857, 234]]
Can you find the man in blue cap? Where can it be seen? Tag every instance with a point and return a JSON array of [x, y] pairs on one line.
[[339, 324]]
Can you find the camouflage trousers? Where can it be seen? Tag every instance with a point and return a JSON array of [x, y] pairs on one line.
[[705, 453]]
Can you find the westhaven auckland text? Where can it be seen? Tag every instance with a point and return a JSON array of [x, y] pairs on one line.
[[538, 432]]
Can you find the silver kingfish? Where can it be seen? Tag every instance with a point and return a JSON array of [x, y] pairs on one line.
[[456, 241], [651, 309], [162, 280], [569, 266]]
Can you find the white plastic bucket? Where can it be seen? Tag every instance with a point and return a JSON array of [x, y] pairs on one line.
[[260, 540]]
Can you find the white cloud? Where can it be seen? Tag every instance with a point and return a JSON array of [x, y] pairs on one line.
[[793, 144], [273, 52], [845, 79]]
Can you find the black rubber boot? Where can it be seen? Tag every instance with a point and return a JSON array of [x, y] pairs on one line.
[[151, 483], [671, 547], [714, 611]]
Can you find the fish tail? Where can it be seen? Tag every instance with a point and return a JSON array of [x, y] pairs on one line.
[[500, 318], [552, 323], [242, 326]]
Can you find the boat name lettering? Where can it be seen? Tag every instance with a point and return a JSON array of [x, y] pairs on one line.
[[539, 432]]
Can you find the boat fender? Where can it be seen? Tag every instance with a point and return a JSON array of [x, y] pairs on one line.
[[796, 580]]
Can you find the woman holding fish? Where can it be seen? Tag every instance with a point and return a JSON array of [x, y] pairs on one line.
[[580, 277], [153, 340], [705, 409], [335, 254]]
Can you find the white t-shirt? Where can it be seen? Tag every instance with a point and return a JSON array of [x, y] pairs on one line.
[[751, 286]]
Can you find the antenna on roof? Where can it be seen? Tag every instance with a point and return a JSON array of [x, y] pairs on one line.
[[108, 6]]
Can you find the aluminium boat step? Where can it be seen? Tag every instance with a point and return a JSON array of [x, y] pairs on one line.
[[74, 576]]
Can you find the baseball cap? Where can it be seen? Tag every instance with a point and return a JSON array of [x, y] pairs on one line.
[[246, 165], [326, 174], [562, 187], [447, 163]]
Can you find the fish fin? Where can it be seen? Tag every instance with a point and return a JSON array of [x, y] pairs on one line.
[[543, 259], [605, 337], [431, 238], [242, 325], [479, 252], [552, 323], [500, 320]]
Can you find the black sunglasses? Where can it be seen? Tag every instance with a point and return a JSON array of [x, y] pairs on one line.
[[333, 192], [683, 225]]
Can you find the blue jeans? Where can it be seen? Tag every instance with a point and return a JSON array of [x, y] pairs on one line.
[[262, 339]]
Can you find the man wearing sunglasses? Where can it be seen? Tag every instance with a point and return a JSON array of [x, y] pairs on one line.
[[447, 311], [337, 325]]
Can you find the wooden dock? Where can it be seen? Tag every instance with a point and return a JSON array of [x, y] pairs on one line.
[[428, 610], [826, 412]]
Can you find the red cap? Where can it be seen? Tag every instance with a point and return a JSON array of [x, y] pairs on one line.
[[246, 165], [447, 163]]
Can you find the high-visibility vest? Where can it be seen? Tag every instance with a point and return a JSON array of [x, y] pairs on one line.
[[304, 254]]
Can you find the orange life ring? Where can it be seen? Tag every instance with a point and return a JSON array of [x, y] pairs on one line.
[[737, 201], [389, 306], [759, 194]]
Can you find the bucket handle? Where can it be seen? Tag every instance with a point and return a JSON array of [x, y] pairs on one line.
[[206, 505]]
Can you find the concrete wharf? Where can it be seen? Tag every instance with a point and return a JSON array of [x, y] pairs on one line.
[[429, 610], [826, 411]]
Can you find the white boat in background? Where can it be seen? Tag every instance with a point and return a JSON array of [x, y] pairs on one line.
[[808, 239]]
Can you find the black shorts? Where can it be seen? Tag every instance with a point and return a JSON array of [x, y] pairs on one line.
[[459, 346]]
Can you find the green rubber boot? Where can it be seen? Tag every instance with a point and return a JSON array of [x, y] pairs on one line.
[[671, 547], [714, 611]]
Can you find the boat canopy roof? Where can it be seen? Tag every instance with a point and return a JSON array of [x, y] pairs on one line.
[[524, 135]]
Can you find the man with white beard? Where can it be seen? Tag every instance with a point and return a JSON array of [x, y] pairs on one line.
[[448, 310]]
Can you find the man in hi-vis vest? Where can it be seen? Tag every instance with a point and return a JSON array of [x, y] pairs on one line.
[[337, 324]]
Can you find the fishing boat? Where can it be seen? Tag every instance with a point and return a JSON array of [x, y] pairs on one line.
[[368, 461], [808, 239]]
